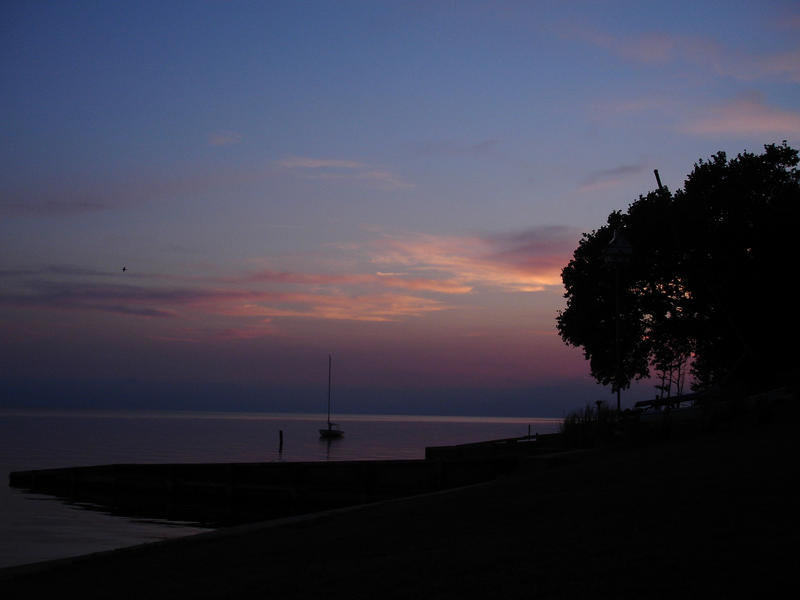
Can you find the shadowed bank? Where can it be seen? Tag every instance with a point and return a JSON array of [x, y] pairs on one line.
[[698, 517]]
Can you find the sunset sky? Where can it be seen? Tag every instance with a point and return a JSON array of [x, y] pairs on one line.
[[396, 183]]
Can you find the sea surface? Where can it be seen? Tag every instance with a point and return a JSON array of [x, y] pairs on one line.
[[35, 527]]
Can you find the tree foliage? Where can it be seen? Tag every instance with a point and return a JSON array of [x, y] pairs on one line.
[[711, 276]]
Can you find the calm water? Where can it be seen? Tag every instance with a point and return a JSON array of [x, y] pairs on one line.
[[36, 527]]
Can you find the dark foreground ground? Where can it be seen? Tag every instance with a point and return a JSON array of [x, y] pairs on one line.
[[703, 518]]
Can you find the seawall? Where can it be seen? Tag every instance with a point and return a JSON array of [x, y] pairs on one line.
[[229, 493]]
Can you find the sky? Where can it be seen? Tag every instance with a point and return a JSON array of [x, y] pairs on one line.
[[398, 184]]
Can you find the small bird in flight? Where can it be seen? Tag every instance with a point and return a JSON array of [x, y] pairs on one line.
[[124, 269]]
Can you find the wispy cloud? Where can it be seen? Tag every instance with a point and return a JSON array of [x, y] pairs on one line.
[[706, 53], [303, 162], [368, 307], [748, 114], [611, 177], [790, 21], [781, 65], [75, 194], [642, 104], [77, 294], [343, 170], [254, 329], [379, 279], [649, 47], [528, 261], [357, 297], [455, 147], [224, 138], [25, 205], [401, 276]]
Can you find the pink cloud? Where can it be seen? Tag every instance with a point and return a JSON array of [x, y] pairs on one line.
[[523, 262], [378, 308], [393, 280], [649, 48], [746, 115], [416, 274], [782, 65], [255, 307], [703, 52]]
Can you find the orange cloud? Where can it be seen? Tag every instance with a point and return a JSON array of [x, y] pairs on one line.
[[524, 262], [379, 307], [392, 280]]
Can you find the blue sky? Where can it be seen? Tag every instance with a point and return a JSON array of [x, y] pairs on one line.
[[398, 183]]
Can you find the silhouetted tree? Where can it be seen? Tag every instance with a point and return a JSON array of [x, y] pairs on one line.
[[709, 277]]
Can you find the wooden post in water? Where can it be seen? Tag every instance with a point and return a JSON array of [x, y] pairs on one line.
[[280, 444]]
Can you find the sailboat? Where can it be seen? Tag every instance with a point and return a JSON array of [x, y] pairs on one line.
[[333, 430]]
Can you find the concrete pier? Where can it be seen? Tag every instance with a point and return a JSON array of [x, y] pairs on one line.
[[228, 493]]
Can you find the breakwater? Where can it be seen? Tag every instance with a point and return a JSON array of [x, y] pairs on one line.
[[229, 493]]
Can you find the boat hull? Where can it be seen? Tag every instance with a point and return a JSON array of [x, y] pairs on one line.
[[330, 433]]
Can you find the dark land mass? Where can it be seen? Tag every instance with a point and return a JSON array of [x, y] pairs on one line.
[[706, 517]]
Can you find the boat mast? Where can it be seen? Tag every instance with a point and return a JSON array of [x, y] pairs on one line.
[[329, 391]]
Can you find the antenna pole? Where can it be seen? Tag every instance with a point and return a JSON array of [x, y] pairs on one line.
[[658, 179]]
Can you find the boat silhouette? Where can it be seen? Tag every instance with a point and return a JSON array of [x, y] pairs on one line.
[[332, 430]]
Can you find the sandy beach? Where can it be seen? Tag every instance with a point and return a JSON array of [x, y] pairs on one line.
[[699, 518]]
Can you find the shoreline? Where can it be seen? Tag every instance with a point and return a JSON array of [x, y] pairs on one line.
[[688, 517], [12, 572]]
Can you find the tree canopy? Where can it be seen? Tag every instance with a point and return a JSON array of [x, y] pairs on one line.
[[708, 281]]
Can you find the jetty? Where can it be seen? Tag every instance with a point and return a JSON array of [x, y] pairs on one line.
[[221, 494]]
